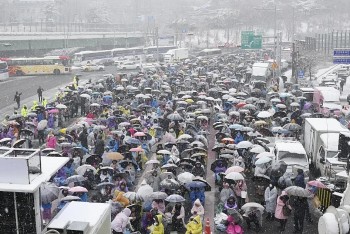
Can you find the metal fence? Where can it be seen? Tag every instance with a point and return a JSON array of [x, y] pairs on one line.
[[325, 43]]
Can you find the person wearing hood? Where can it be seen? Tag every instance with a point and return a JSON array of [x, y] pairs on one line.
[[230, 205], [178, 213], [24, 111], [285, 181], [225, 193], [198, 170], [270, 201], [157, 227], [197, 209], [35, 104], [253, 215], [300, 179], [194, 226], [121, 221], [282, 201]]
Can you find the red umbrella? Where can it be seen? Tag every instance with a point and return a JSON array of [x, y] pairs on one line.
[[316, 183], [241, 104], [78, 189], [139, 134], [53, 111]]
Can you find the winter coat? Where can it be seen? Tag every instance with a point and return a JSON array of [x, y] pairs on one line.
[[121, 220], [99, 147], [270, 199], [51, 141], [300, 206], [260, 171], [154, 182], [239, 188], [287, 180], [279, 207], [300, 181], [194, 226], [198, 209], [225, 194], [233, 228], [158, 229]]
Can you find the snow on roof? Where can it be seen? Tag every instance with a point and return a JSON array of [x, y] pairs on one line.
[[294, 147], [80, 212], [49, 167], [259, 69], [332, 106], [330, 141], [326, 124], [307, 89], [329, 94]]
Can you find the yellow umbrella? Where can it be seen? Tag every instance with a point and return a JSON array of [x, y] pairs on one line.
[[115, 156], [189, 100], [260, 122], [63, 130]]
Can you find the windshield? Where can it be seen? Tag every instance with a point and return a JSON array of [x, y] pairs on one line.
[[292, 158], [3, 66]]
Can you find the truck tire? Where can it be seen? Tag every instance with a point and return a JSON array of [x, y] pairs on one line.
[[56, 72]]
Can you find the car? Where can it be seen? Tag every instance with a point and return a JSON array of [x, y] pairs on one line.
[[106, 62], [330, 77], [92, 67], [129, 66]]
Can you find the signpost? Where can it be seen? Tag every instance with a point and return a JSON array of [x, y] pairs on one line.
[[301, 74], [341, 56], [250, 41]]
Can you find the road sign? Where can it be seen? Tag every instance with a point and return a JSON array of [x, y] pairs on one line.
[[301, 74], [257, 42], [250, 41], [342, 52], [274, 66], [341, 60]]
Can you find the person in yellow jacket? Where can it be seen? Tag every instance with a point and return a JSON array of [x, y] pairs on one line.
[[24, 111], [194, 226], [44, 102], [157, 227], [35, 104], [152, 132]]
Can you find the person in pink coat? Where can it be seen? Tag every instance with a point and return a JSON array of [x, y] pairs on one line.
[[51, 141], [281, 202], [233, 227]]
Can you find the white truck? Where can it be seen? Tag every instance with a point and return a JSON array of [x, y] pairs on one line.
[[260, 72], [175, 55], [321, 136]]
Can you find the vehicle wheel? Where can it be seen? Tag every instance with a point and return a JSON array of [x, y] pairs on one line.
[[19, 73], [56, 72], [86, 70]]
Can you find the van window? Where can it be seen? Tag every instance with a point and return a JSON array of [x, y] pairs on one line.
[[322, 153]]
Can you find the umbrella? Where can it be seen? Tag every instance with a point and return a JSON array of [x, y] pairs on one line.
[[15, 116], [163, 152], [169, 165], [257, 149], [234, 176], [207, 185], [275, 100], [53, 111], [264, 115], [85, 95], [54, 154], [259, 123], [71, 198], [263, 160], [144, 191], [104, 184], [77, 189], [115, 156], [185, 136], [169, 184], [95, 105], [174, 116], [292, 127], [185, 177], [278, 169], [49, 192], [133, 141], [81, 170], [158, 196], [234, 169], [61, 106], [42, 124], [137, 149], [139, 134], [175, 198], [297, 191], [295, 104], [250, 205], [133, 196], [229, 156], [75, 178], [316, 183], [18, 143], [244, 145], [152, 161], [265, 154]]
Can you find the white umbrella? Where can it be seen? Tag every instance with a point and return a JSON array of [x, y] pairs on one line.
[[244, 145], [133, 196], [163, 152], [234, 176], [175, 198], [257, 149], [84, 168], [85, 95], [185, 136], [42, 124], [95, 105], [263, 160], [265, 154], [295, 104], [250, 205], [152, 161], [275, 100], [264, 115], [61, 106], [144, 191], [185, 177]]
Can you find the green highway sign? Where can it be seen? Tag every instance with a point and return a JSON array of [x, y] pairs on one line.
[[250, 41]]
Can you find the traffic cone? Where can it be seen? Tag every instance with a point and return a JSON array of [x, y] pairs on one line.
[[207, 227]]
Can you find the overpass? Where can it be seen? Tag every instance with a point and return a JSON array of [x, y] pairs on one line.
[[37, 43]]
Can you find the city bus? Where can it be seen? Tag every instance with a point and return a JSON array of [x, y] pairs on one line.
[[161, 49], [38, 66], [209, 52], [4, 71], [91, 55]]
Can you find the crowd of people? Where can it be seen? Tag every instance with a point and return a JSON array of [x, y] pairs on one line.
[[141, 143]]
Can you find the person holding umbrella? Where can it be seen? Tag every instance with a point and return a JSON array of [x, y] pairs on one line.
[[178, 217], [270, 201], [121, 221], [280, 215], [197, 209], [300, 207]]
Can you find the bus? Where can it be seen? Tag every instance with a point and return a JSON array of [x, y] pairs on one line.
[[4, 71], [161, 49], [55, 65], [208, 52], [133, 51], [91, 55]]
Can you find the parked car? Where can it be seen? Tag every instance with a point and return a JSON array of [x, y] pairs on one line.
[[92, 67], [129, 66]]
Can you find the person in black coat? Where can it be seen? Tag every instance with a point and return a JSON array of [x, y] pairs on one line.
[[83, 138], [300, 179], [99, 146], [300, 207]]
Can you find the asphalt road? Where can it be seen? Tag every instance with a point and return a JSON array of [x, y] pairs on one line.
[[28, 85]]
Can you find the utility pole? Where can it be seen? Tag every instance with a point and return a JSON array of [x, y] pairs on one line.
[[207, 39], [294, 63], [157, 37]]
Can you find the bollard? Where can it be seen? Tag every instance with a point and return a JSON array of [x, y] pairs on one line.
[[207, 227]]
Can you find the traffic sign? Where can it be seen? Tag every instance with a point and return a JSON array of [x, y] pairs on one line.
[[274, 66], [343, 52], [250, 41], [341, 60], [301, 74], [257, 42]]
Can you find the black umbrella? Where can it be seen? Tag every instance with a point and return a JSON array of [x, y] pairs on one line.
[[214, 164], [93, 159], [27, 132], [207, 185], [266, 132], [280, 114], [278, 169]]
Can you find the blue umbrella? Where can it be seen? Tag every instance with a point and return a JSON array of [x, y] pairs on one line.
[[133, 141], [196, 184], [236, 126]]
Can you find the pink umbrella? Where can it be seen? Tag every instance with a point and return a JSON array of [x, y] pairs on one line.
[[78, 189], [136, 150], [234, 169], [139, 134], [316, 183], [53, 111]]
